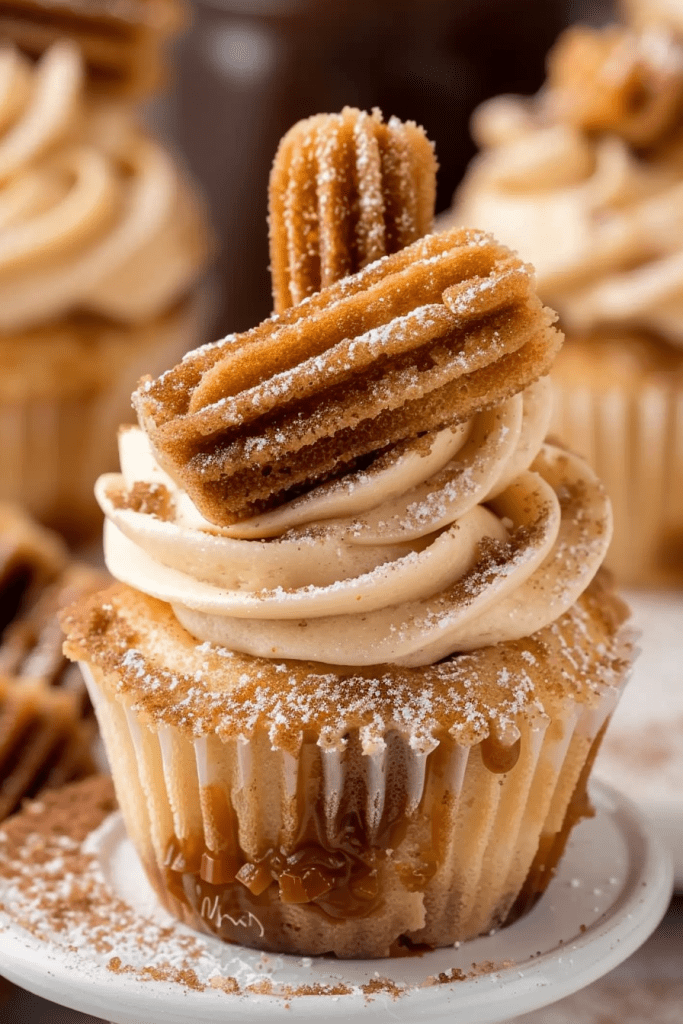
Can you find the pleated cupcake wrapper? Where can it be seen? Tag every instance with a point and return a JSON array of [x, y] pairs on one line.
[[53, 449], [482, 830], [635, 444]]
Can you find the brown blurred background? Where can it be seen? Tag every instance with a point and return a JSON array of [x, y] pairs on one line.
[[248, 69]]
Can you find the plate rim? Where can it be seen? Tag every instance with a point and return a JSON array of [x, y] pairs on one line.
[[626, 924]]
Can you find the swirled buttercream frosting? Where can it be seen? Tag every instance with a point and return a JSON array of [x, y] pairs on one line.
[[463, 531], [586, 180], [94, 217], [469, 536]]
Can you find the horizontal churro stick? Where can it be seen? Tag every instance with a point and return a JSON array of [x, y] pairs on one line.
[[345, 189], [421, 339]]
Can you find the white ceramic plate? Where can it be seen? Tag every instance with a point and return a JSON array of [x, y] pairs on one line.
[[611, 890], [643, 751]]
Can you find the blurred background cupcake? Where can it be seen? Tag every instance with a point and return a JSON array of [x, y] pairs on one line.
[[585, 180], [102, 243]]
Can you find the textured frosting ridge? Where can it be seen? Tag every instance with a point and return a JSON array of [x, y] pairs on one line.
[[586, 180], [94, 217], [466, 537]]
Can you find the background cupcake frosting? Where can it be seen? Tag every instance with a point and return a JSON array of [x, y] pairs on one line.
[[102, 245], [96, 216], [585, 180]]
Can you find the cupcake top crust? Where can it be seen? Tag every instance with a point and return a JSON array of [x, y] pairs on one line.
[[155, 665]]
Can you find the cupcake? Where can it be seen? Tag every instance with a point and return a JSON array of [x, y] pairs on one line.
[[361, 654], [102, 244], [47, 727], [585, 180]]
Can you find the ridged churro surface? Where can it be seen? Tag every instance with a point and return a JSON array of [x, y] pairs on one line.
[[345, 189], [421, 339]]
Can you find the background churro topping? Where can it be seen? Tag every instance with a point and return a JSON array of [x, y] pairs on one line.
[[47, 727], [345, 190], [617, 81], [586, 180], [94, 217], [122, 41]]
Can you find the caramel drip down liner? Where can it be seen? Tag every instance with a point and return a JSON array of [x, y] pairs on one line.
[[634, 442], [432, 844]]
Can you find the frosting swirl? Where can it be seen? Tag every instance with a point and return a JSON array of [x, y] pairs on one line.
[[460, 538], [585, 180], [94, 216]]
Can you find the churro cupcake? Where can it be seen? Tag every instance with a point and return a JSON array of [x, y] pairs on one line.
[[47, 727], [361, 655], [102, 244], [585, 180]]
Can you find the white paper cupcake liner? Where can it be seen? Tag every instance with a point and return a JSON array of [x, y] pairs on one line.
[[634, 441], [430, 844]]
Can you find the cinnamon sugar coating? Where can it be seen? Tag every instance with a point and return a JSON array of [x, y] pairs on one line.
[[198, 688], [121, 40], [47, 728], [611, 80], [345, 190], [419, 340]]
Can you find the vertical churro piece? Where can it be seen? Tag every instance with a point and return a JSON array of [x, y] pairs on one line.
[[345, 190]]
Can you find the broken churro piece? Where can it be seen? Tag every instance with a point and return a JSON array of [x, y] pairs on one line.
[[122, 42], [47, 725], [345, 189], [421, 339]]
